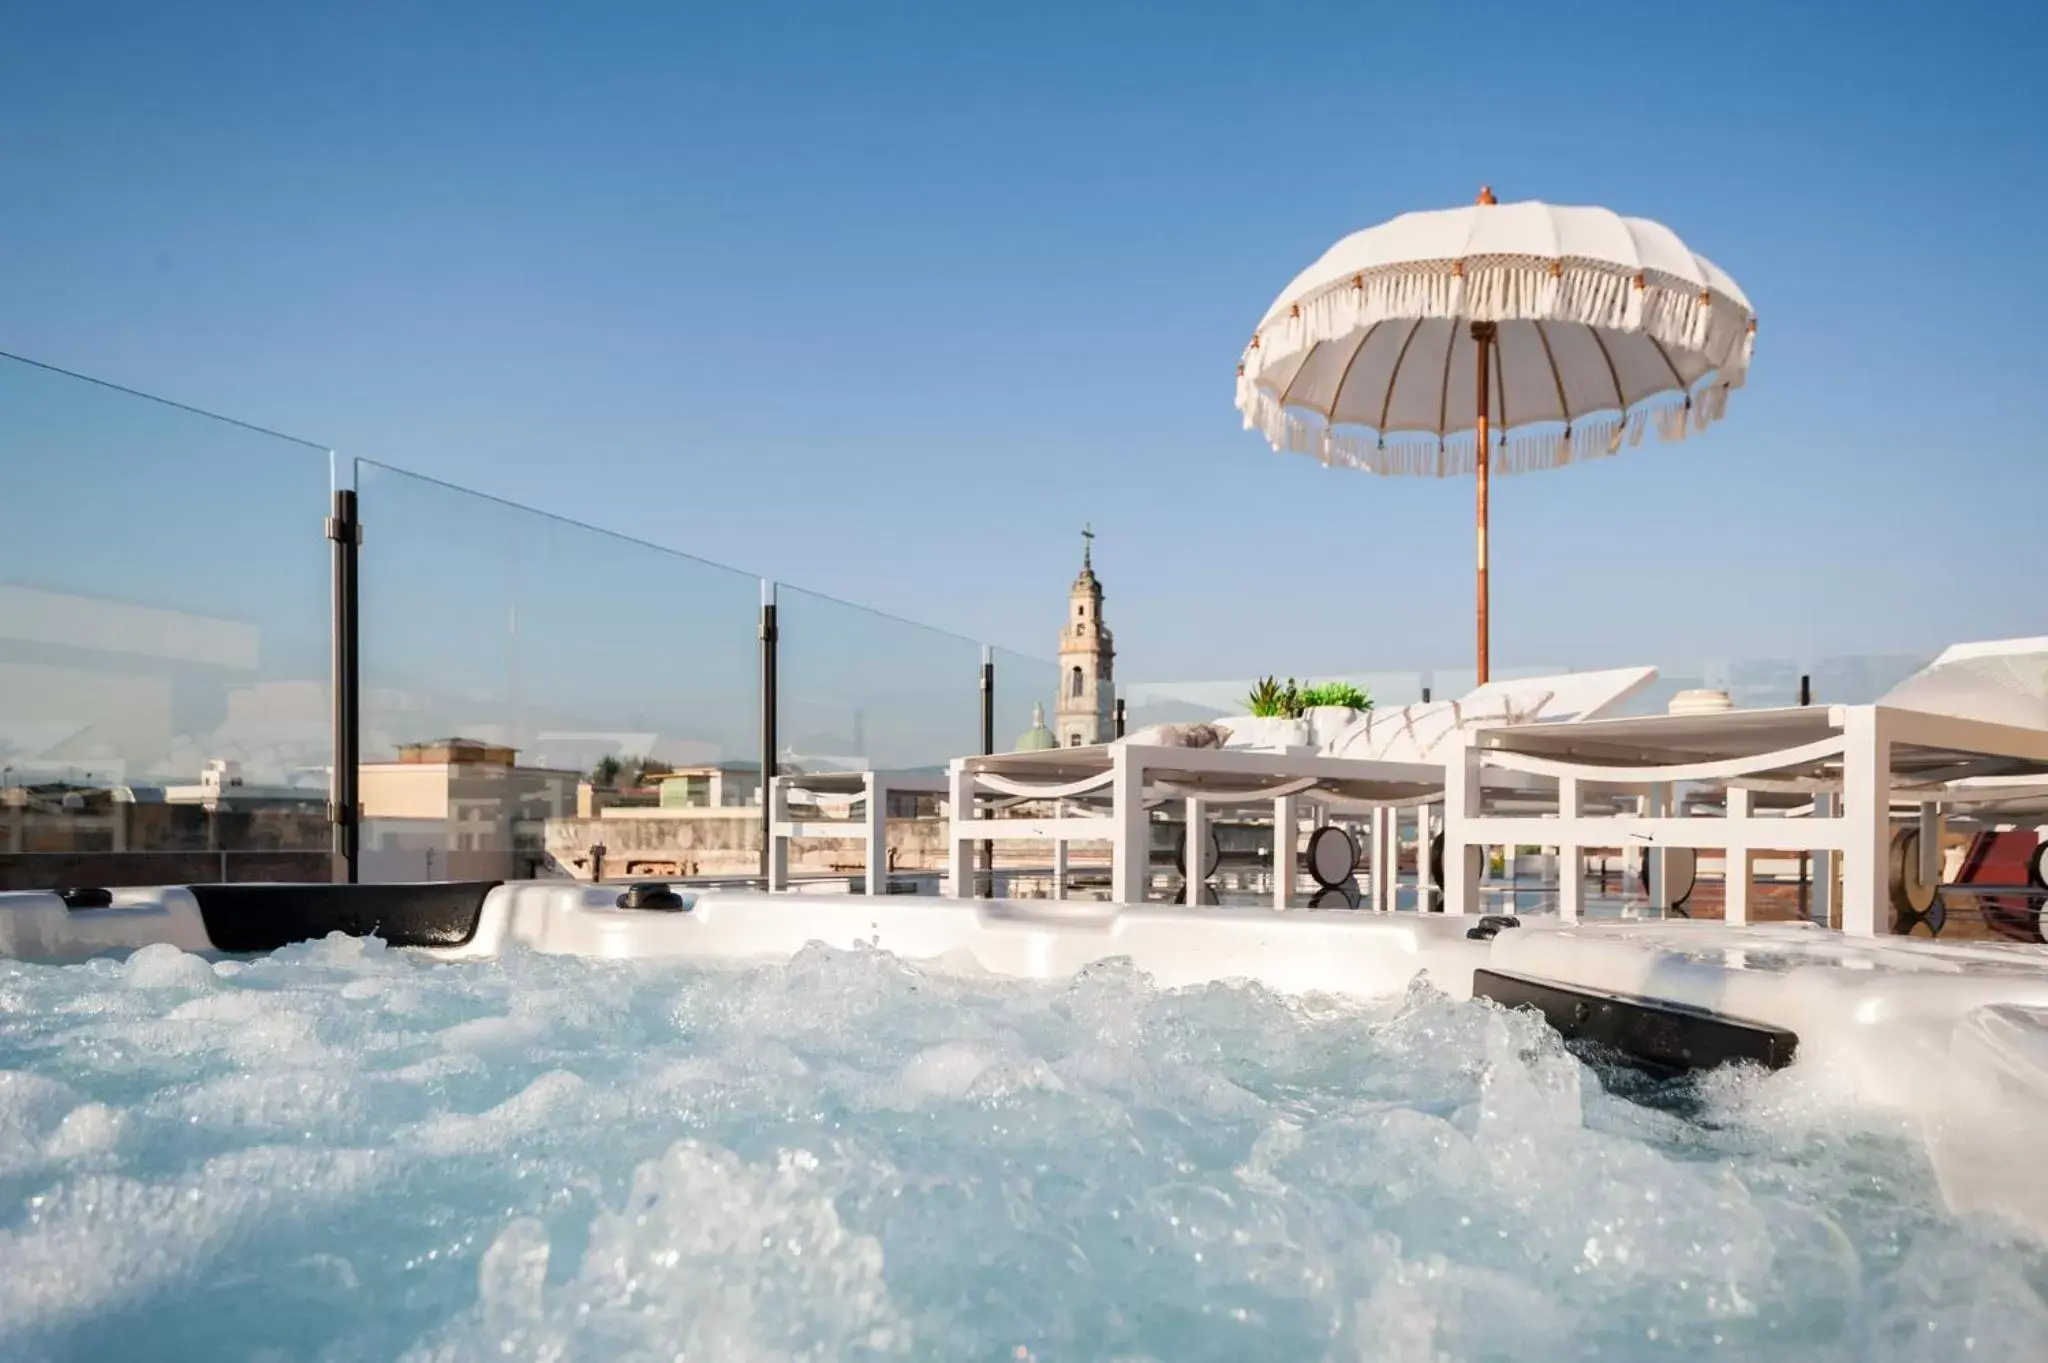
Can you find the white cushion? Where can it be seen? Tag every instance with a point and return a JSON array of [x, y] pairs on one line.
[[2004, 681], [1413, 733], [1416, 733], [1205, 735], [1267, 733]]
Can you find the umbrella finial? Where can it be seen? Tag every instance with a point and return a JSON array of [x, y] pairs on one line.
[[1486, 194]]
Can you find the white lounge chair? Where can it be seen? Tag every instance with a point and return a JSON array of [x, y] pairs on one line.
[[1378, 762]]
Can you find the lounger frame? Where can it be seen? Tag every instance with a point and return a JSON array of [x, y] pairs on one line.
[[1859, 763]]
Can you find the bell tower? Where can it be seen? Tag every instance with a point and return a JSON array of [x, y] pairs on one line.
[[1087, 659]]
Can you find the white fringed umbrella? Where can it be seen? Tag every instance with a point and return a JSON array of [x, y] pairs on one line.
[[1588, 326]]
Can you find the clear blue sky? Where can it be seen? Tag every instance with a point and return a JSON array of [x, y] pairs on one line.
[[886, 300]]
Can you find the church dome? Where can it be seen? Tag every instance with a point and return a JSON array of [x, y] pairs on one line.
[[1037, 738]]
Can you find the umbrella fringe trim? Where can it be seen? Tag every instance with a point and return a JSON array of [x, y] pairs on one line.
[[1675, 311], [1673, 415]]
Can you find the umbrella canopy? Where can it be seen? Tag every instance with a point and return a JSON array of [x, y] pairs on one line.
[[1587, 327]]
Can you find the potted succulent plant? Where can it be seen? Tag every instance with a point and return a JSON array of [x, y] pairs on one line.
[[1294, 715], [1270, 700]]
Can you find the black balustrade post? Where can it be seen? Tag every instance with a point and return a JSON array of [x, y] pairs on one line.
[[988, 746], [770, 636], [988, 701], [344, 798], [1805, 858]]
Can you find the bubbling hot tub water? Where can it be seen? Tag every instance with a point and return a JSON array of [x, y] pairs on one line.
[[341, 1151]]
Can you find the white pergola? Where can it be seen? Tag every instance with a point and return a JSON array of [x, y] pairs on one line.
[[871, 828], [1106, 794], [1852, 770]]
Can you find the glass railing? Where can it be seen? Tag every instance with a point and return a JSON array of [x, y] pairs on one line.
[[510, 657], [858, 689], [1769, 683], [164, 627], [538, 696], [1026, 689]]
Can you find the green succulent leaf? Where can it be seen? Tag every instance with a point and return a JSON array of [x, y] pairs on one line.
[[1337, 693]]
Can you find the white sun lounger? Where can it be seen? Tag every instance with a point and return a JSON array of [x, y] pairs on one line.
[[1380, 762], [1947, 737]]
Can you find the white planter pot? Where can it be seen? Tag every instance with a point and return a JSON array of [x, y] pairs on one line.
[[1313, 731], [1326, 722]]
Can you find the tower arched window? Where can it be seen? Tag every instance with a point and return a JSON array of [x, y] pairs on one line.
[[1074, 682]]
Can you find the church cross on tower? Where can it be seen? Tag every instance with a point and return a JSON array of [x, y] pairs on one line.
[[1088, 545]]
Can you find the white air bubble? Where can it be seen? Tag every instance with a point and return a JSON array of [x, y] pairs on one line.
[[483, 1036], [87, 1130], [710, 1257], [546, 1099], [162, 966], [98, 1242], [1008, 1078], [33, 1111], [945, 1071]]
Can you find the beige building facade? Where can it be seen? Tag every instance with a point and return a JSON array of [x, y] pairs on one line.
[[457, 809]]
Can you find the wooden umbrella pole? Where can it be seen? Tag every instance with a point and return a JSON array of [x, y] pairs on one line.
[[1482, 337]]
